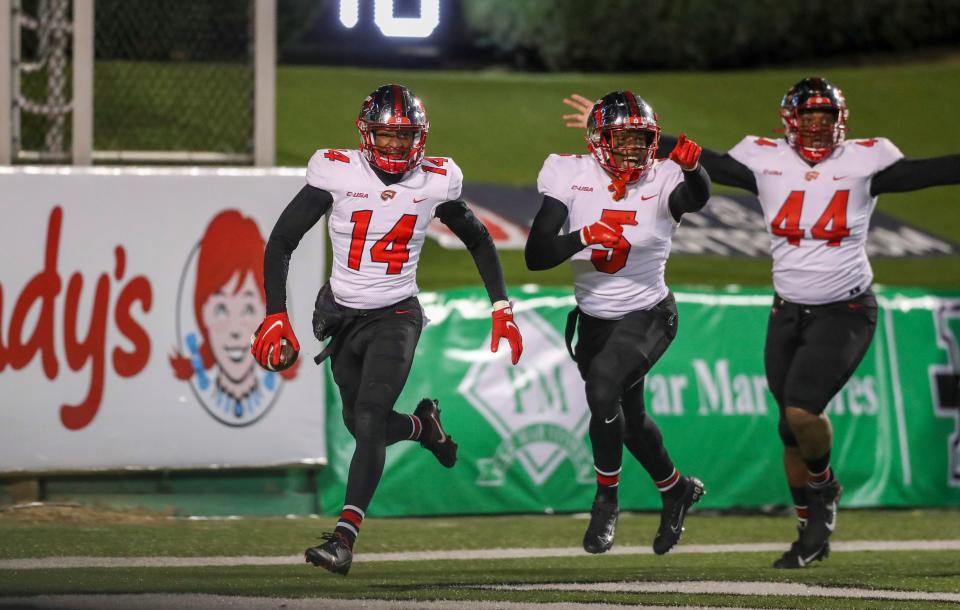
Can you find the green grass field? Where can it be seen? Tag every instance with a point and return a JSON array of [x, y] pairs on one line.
[[501, 126], [98, 534]]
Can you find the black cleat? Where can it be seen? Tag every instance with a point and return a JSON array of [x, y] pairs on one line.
[[822, 519], [433, 436], [674, 511], [603, 524], [335, 555], [796, 558]]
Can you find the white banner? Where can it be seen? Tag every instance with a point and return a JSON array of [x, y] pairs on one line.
[[127, 300]]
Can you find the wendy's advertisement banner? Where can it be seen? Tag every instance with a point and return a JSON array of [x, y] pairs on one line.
[[127, 301]]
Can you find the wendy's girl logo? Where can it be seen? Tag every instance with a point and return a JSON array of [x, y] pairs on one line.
[[220, 302]]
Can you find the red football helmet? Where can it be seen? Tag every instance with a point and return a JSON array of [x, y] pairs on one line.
[[614, 117], [814, 142], [395, 108]]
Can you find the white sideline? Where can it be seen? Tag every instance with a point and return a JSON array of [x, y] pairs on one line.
[[735, 588], [175, 601], [48, 563]]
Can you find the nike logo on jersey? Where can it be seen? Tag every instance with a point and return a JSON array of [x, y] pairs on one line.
[[402, 311], [611, 420], [764, 142], [415, 200], [839, 177], [645, 198], [867, 143]]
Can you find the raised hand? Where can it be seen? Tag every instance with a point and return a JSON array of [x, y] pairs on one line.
[[505, 328], [582, 106], [686, 153]]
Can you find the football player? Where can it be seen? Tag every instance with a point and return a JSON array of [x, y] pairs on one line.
[[622, 208], [380, 198], [818, 191]]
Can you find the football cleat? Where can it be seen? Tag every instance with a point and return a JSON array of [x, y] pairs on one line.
[[335, 555], [674, 511], [795, 558], [603, 524], [434, 437], [822, 519]]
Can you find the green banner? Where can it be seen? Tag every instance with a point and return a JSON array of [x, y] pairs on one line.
[[522, 430]]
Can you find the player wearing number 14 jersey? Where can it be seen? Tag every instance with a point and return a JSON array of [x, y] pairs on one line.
[[380, 199], [622, 209]]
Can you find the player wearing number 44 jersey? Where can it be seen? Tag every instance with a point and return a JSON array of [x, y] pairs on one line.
[[380, 199], [818, 191], [622, 208]]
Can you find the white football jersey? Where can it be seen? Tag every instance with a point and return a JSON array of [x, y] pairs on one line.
[[610, 283], [817, 216], [377, 230]]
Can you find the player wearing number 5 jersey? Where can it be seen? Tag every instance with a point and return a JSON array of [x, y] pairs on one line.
[[817, 190], [622, 208], [380, 199]]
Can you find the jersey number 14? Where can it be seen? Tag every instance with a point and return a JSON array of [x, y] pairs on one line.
[[787, 221], [390, 249]]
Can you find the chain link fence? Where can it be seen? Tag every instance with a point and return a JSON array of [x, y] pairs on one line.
[[173, 80]]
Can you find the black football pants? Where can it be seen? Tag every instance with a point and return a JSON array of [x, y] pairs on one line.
[[613, 357], [812, 350], [370, 362]]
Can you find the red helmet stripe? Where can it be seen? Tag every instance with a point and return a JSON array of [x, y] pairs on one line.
[[632, 102], [397, 104]]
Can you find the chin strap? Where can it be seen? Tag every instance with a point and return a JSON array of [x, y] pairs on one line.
[[619, 189]]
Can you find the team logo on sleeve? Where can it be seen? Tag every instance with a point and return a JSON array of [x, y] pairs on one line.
[[220, 301]]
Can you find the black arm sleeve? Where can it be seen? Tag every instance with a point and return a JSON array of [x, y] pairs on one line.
[[309, 205], [545, 248], [459, 219], [691, 194], [915, 174], [723, 168]]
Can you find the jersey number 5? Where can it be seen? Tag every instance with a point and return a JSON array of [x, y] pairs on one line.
[[614, 259], [390, 249], [787, 221]]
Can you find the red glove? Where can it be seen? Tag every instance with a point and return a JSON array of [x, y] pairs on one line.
[[273, 329], [604, 232], [686, 153], [505, 327]]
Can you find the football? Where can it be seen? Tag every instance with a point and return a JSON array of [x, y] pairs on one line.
[[288, 355]]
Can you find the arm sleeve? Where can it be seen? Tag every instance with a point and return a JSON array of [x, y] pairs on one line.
[[723, 168], [306, 208], [691, 194], [545, 247], [915, 174], [458, 217]]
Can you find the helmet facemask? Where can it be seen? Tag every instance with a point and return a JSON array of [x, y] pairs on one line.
[[625, 152], [402, 151]]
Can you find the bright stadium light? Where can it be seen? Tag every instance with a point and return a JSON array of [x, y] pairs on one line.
[[394, 27], [408, 27], [349, 12]]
